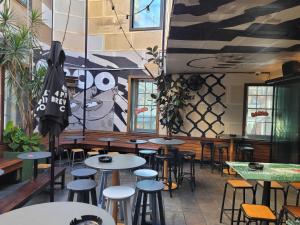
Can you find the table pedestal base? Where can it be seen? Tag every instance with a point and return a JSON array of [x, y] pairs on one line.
[[173, 186]]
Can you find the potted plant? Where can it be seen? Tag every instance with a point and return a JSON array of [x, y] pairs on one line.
[[172, 96], [18, 142]]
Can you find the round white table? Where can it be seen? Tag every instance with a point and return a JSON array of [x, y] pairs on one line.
[[119, 162], [167, 142], [35, 156], [108, 140], [136, 143], [54, 213]]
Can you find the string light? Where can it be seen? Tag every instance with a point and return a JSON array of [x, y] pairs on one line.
[[123, 31]]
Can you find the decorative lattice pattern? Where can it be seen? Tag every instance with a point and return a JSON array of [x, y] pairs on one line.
[[204, 114]]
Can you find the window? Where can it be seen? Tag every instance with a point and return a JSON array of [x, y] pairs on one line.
[[146, 14], [143, 108], [259, 100], [23, 2]]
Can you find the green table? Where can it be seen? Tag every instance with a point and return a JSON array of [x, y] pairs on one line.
[[271, 172]]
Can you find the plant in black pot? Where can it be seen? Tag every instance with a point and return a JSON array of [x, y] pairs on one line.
[[17, 142], [172, 97]]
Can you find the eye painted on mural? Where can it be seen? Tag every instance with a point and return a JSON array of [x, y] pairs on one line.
[[80, 75], [105, 81]]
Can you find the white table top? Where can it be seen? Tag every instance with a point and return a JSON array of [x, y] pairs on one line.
[[55, 213], [1, 172], [34, 155], [119, 162], [162, 141]]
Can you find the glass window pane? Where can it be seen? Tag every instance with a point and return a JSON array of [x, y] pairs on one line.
[[141, 85], [146, 14], [252, 90], [259, 110]]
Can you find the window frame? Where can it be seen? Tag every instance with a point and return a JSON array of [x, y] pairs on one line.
[[131, 18], [245, 109], [22, 3], [131, 95]]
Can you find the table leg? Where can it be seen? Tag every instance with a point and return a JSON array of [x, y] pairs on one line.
[[108, 145], [266, 196], [166, 172], [35, 168], [136, 149], [115, 182], [231, 158]]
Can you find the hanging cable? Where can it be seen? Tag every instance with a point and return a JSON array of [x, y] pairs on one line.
[[123, 31], [67, 23]]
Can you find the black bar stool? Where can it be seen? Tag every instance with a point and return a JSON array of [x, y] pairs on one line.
[[221, 148], [244, 153], [160, 159], [236, 185], [210, 144], [148, 154], [190, 157], [151, 189], [83, 188], [84, 173]]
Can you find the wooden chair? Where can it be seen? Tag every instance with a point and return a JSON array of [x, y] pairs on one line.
[[256, 213], [289, 210], [295, 186]]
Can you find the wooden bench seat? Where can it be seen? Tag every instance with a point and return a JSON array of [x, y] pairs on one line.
[[25, 192], [10, 165]]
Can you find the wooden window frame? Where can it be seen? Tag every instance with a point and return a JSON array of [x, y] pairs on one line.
[[129, 106], [245, 104]]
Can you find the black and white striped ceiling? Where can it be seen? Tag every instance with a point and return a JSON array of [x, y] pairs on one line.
[[233, 35]]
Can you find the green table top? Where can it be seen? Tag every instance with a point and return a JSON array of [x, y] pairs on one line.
[[271, 171]]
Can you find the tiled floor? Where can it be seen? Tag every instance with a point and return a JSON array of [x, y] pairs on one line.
[[201, 207]]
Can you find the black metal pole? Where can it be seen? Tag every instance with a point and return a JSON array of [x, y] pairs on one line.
[[51, 149], [85, 65]]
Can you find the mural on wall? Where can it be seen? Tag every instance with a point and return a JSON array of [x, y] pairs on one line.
[[106, 93], [204, 113]]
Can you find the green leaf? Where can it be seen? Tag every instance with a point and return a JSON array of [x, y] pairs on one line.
[[155, 48]]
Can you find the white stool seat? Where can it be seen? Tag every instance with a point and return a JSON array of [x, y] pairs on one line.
[[118, 192], [145, 173]]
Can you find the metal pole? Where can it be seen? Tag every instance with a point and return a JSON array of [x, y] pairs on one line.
[[51, 149], [85, 65]]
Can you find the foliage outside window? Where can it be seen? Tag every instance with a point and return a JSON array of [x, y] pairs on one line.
[[146, 14], [143, 113], [259, 110]]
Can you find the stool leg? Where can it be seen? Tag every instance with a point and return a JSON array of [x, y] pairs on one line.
[[127, 212], [297, 198], [70, 196], [275, 200], [80, 197], [202, 150], [223, 202], [137, 208], [193, 173], [94, 196], [161, 209], [239, 216], [170, 180], [144, 208], [233, 205], [73, 158], [212, 158], [86, 197], [153, 207]]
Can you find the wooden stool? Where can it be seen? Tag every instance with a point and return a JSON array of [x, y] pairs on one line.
[[82, 187], [76, 151], [92, 153], [296, 186], [236, 185], [293, 211], [220, 148], [84, 173], [275, 186], [210, 144], [44, 166], [121, 195], [256, 213], [152, 189], [190, 157], [149, 156]]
